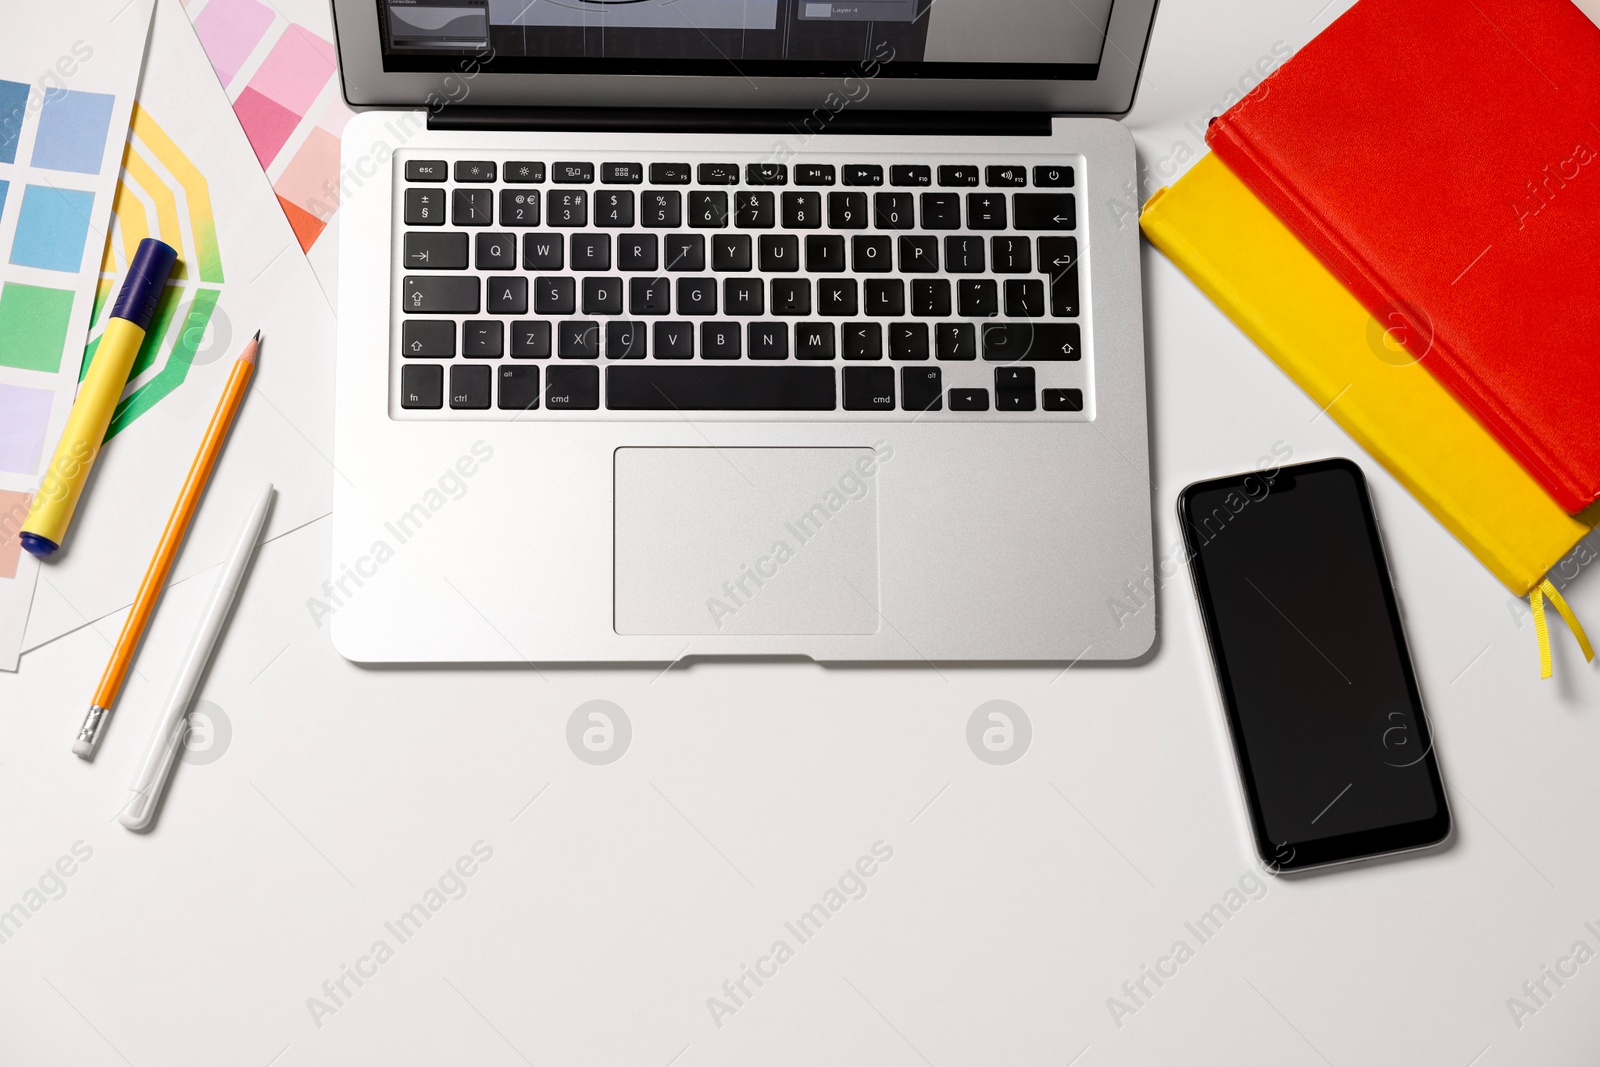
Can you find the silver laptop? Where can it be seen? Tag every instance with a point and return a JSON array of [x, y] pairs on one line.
[[696, 328]]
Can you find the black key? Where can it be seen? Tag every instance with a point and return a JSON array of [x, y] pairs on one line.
[[1052, 177], [1063, 399], [426, 170], [766, 174], [958, 176], [755, 211], [790, 296], [669, 174], [686, 251], [1006, 378], [572, 173], [719, 340], [930, 298], [661, 208], [869, 388], [470, 387], [421, 387], [863, 340], [625, 340], [941, 211], [697, 296], [780, 253], [731, 252], [674, 340], [474, 170], [602, 296], [519, 207], [613, 207], [1005, 176], [1032, 341], [969, 400], [910, 174], [1025, 298], [1058, 257], [572, 388], [530, 339], [921, 389], [977, 298], [769, 340], [424, 207], [825, 253], [886, 297], [578, 339], [802, 211], [472, 207], [919, 255], [908, 340], [496, 251], [863, 174], [743, 296], [436, 251], [519, 172], [814, 174], [653, 388], [508, 296], [482, 339], [1045, 211], [718, 173], [427, 339], [649, 296], [1013, 400], [871, 255], [569, 207], [591, 251], [708, 210], [1012, 255], [847, 211], [986, 211], [955, 340], [964, 255], [837, 297], [894, 211], [519, 387], [638, 251], [555, 296], [813, 340], [542, 251], [621, 173], [446, 295]]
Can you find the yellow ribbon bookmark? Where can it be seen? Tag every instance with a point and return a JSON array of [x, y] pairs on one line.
[[1536, 599]]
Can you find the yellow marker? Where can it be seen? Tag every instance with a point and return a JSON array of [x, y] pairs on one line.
[[57, 498]]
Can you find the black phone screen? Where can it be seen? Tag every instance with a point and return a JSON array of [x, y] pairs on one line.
[[1305, 632]]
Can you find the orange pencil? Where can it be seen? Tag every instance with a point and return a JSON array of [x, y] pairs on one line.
[[155, 577]]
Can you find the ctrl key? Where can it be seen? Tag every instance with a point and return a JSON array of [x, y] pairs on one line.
[[422, 387], [572, 388]]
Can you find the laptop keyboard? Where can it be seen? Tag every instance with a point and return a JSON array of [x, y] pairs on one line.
[[911, 289]]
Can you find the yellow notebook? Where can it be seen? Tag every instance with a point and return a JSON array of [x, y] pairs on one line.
[[1277, 292]]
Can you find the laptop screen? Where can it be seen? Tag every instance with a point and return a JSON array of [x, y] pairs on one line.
[[1030, 39]]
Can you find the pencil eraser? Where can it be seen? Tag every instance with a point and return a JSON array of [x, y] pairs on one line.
[[83, 749], [35, 545]]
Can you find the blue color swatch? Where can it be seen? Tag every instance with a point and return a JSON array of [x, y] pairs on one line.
[[72, 131], [5, 187], [13, 105], [52, 228]]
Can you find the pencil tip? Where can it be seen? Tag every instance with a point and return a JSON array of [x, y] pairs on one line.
[[257, 337], [249, 353]]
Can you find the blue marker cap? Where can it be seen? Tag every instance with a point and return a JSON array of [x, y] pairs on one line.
[[147, 276]]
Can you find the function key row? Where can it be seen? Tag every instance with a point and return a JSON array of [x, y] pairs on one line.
[[519, 172]]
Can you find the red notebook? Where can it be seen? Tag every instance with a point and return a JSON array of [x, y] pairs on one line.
[[1442, 157]]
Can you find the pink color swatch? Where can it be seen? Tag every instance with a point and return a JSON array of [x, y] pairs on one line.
[[230, 30], [295, 71], [13, 510], [266, 124], [309, 181]]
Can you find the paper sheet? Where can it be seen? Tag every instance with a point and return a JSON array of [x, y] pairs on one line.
[[189, 176], [66, 88]]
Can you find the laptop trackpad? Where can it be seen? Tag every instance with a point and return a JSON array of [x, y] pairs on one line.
[[746, 541]]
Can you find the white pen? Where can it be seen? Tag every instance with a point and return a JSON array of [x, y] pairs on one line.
[[174, 724]]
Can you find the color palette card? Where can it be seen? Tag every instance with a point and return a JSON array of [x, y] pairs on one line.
[[67, 84], [189, 177]]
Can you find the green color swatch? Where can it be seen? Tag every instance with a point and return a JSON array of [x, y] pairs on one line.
[[33, 326]]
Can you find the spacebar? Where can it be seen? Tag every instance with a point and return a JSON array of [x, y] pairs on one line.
[[720, 389]]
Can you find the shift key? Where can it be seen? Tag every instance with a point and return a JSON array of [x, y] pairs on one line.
[[423, 295]]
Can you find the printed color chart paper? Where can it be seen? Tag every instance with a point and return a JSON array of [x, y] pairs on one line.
[[67, 86]]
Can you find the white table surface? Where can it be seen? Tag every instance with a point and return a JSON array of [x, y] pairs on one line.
[[619, 898]]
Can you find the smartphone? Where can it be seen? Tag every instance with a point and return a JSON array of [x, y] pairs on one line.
[[1306, 635]]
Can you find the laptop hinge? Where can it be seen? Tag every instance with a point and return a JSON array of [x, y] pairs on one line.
[[693, 120]]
